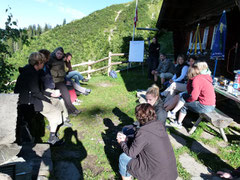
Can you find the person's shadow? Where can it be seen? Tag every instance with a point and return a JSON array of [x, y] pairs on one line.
[[70, 152], [112, 148], [209, 159]]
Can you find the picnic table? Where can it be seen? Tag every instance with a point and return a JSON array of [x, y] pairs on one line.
[[217, 117], [223, 91]]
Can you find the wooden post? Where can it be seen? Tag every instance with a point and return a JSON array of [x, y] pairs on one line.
[[89, 69], [109, 62]]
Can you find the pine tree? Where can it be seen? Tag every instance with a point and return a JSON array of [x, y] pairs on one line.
[[39, 30], [64, 21]]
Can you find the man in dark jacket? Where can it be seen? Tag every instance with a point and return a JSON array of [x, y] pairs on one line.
[[153, 57], [28, 86], [150, 156], [165, 69]]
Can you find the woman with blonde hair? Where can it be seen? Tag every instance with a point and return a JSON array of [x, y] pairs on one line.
[[153, 98], [203, 67], [200, 97]]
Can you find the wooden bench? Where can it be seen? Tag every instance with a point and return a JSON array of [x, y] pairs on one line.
[[217, 118]]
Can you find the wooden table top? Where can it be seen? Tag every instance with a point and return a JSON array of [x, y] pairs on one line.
[[224, 92]]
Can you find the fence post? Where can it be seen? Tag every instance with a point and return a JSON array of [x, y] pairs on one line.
[[89, 69], [109, 62]]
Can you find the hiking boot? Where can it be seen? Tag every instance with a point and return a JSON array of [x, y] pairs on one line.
[[171, 115], [88, 91], [53, 139], [176, 124], [78, 100], [67, 119], [67, 124], [76, 112], [85, 80], [76, 103]]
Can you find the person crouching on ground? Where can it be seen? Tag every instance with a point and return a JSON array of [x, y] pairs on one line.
[[30, 92], [150, 156]]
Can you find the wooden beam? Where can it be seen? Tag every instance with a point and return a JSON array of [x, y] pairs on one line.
[[148, 29]]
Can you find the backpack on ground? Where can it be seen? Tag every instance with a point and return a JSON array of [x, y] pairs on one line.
[[113, 74]]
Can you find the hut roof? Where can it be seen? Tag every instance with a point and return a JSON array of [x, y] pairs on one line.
[[177, 14]]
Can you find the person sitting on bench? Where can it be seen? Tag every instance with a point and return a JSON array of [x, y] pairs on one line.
[[200, 98], [71, 74], [30, 92], [165, 69], [49, 86]]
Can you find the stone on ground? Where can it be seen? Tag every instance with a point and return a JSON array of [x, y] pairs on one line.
[[200, 147], [207, 135], [191, 166], [222, 144], [179, 178], [8, 117], [177, 141], [8, 151], [182, 131]]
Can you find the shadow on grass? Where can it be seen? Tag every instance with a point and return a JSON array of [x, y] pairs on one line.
[[67, 158], [211, 160], [111, 148], [136, 78]]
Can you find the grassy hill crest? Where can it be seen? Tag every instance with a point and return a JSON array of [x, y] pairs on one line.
[[93, 36]]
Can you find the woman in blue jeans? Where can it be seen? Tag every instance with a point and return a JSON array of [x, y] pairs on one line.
[[200, 97], [73, 74], [150, 156]]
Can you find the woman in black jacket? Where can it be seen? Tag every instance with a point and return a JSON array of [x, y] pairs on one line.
[[150, 156], [30, 91]]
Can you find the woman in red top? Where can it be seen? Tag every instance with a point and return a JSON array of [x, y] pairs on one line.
[[200, 97]]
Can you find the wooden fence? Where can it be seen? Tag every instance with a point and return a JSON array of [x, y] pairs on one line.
[[108, 67]]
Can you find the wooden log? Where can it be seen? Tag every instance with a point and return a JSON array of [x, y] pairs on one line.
[[100, 60]]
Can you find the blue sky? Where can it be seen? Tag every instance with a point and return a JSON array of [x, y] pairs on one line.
[[52, 12]]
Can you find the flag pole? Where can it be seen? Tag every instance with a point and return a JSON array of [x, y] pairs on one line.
[[135, 20], [215, 67]]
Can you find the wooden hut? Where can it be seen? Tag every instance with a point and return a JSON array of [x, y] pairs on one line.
[[182, 16]]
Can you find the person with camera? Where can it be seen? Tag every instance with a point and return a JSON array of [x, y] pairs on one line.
[[150, 155]]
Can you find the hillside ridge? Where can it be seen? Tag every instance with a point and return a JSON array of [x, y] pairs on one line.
[[93, 36]]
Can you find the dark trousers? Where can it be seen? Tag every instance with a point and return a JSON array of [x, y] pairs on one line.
[[152, 65], [66, 96]]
